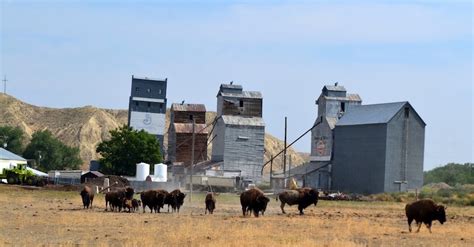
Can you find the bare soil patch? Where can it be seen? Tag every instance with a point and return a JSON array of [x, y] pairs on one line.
[[46, 217]]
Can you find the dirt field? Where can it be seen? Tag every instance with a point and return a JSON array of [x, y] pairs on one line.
[[44, 217]]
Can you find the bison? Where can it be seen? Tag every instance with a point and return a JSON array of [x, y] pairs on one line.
[[424, 211], [154, 199], [87, 197], [127, 204], [175, 199], [114, 199], [136, 204], [210, 202], [303, 197], [253, 200]]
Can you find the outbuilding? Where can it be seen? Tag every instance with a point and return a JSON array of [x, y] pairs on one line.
[[90, 175], [379, 148]]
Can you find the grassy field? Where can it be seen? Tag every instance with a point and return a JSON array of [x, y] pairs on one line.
[[45, 217]]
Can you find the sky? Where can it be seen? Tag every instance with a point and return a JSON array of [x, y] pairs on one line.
[[76, 53]]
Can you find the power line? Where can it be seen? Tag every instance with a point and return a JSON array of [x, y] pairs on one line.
[[284, 149]]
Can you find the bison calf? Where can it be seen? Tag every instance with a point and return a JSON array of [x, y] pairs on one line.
[[87, 197], [210, 203], [424, 211], [136, 204]]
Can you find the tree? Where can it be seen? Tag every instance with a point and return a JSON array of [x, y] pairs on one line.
[[126, 148], [51, 153], [451, 174], [13, 138]]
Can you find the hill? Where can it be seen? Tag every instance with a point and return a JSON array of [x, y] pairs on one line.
[[451, 174], [87, 126]]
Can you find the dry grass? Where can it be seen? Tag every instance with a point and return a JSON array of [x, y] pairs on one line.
[[42, 217]]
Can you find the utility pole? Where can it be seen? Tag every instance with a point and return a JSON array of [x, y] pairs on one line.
[[5, 84], [271, 171], [192, 163], [289, 166], [284, 152]]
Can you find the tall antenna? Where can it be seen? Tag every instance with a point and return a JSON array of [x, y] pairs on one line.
[[5, 84]]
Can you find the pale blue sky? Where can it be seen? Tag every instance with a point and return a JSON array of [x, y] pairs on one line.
[[76, 53]]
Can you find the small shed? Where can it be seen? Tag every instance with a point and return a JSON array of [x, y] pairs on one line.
[[90, 175]]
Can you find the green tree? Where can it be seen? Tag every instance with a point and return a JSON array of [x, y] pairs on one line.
[[51, 153], [13, 138], [126, 148], [451, 174]]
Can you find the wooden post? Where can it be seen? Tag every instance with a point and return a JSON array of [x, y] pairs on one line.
[[284, 151], [271, 171], [192, 163]]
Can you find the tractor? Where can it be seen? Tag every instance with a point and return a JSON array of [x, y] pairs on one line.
[[21, 175]]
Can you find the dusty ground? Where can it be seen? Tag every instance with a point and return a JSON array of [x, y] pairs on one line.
[[44, 217]]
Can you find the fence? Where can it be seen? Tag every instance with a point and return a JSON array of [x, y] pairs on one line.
[[65, 181]]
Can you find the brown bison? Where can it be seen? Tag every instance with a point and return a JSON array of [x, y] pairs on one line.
[[424, 211], [175, 199], [127, 204], [253, 200], [303, 197], [136, 204], [114, 199], [154, 199], [210, 202], [87, 196]]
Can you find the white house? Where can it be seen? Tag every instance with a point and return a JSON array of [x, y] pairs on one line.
[[9, 160]]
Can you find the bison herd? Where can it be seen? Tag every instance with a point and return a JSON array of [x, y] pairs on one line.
[[253, 200]]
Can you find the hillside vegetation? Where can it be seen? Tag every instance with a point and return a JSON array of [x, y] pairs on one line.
[[450, 184], [85, 127], [451, 174]]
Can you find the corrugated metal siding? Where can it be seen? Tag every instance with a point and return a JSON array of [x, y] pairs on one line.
[[243, 121], [243, 149], [321, 141], [218, 142], [395, 152], [359, 158]]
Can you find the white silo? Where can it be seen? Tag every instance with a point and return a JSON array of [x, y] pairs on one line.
[[161, 173], [143, 170]]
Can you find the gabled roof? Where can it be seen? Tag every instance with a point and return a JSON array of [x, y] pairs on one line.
[[372, 114], [243, 121], [243, 94], [7, 155], [231, 86], [98, 174], [334, 88], [188, 107]]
